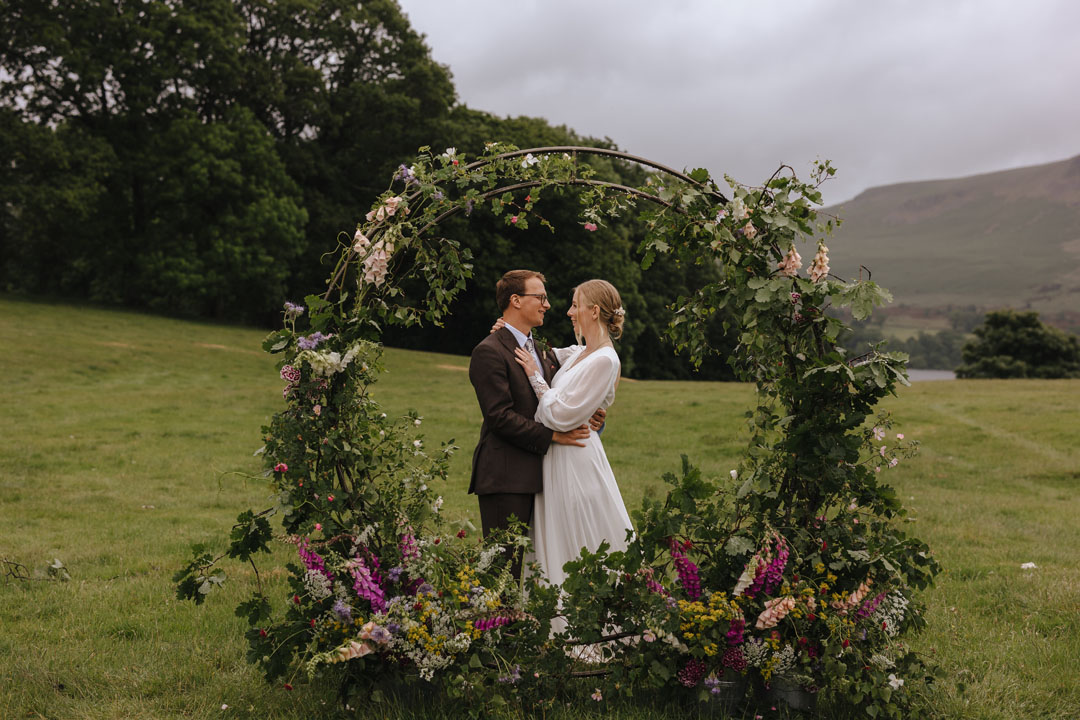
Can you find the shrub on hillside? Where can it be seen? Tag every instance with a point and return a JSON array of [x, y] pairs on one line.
[[1012, 344]]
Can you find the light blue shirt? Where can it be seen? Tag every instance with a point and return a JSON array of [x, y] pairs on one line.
[[521, 338]]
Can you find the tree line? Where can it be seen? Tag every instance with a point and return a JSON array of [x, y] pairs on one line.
[[200, 159]]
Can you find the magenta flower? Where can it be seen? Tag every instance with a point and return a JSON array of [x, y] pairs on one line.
[[591, 227], [281, 468]]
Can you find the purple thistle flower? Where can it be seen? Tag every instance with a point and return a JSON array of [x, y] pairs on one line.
[[311, 341]]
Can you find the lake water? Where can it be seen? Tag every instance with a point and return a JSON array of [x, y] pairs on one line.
[[921, 375]]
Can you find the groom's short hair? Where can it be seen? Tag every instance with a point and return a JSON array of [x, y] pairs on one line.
[[513, 283]]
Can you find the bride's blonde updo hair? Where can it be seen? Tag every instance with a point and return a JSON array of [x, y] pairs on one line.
[[603, 294]]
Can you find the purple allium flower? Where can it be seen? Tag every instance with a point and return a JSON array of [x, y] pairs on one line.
[[342, 611], [311, 341]]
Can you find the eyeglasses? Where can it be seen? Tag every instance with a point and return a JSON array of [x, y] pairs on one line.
[[540, 296]]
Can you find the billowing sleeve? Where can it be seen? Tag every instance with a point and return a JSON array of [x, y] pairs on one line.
[[570, 404], [564, 354]]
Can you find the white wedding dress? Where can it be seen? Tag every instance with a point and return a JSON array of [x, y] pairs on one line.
[[581, 505]]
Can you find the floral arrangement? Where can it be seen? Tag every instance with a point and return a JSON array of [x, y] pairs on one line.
[[793, 566]]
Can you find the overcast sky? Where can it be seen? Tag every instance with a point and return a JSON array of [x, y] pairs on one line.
[[888, 90]]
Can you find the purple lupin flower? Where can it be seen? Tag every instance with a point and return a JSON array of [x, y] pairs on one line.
[[688, 572], [735, 631], [366, 586], [312, 560], [870, 606], [409, 549], [774, 573]]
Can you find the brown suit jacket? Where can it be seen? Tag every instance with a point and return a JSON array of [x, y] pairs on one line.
[[510, 455]]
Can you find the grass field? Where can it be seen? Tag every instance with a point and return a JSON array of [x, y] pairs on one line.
[[128, 437]]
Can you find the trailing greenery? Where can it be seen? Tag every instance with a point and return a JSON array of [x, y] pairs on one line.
[[1012, 344], [802, 575]]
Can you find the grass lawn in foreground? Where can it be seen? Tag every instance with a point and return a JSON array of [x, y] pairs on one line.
[[128, 437]]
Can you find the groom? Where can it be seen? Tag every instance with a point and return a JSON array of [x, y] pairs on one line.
[[507, 465]]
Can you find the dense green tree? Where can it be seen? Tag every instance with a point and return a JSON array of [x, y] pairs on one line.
[[179, 96], [1012, 344]]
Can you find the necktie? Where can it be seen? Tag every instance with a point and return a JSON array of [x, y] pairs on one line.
[[531, 347]]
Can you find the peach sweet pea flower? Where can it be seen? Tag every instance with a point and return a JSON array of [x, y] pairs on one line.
[[789, 266], [819, 267], [775, 611]]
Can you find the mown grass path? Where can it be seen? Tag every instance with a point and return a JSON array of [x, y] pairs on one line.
[[128, 437]]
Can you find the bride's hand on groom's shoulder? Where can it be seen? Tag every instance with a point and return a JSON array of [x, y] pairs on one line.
[[498, 324]]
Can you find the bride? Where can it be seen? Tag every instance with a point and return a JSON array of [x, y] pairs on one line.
[[580, 505]]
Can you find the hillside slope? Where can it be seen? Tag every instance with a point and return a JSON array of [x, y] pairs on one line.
[[1009, 238]]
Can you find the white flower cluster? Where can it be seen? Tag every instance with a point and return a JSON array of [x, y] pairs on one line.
[[785, 660], [325, 363], [891, 612], [317, 585], [881, 662], [756, 652], [487, 557]]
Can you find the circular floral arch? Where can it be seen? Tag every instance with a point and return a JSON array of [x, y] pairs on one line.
[[792, 572]]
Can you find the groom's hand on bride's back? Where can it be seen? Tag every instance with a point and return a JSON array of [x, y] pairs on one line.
[[573, 437]]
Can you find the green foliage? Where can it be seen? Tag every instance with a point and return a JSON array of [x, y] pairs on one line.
[[1012, 344]]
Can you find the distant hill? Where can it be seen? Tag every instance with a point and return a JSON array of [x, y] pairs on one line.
[[1009, 238]]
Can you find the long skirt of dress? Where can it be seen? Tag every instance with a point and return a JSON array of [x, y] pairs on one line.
[[580, 507]]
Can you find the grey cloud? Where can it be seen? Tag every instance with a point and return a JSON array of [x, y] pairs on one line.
[[890, 91]]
